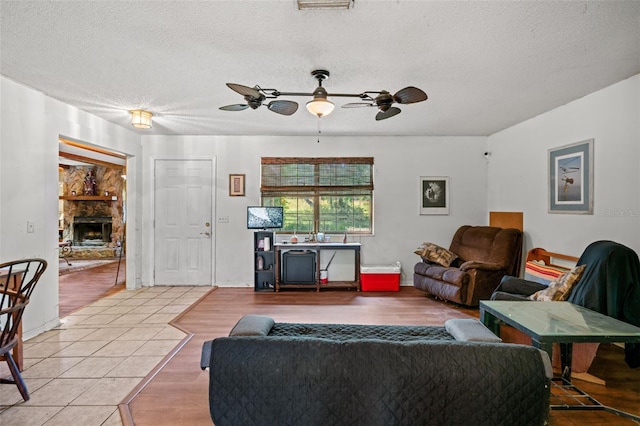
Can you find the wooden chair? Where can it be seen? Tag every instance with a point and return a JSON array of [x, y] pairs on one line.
[[17, 281]]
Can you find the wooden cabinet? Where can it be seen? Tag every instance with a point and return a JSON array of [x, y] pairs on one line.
[[264, 261]]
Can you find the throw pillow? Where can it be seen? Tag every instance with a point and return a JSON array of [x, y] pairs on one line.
[[560, 288], [436, 254]]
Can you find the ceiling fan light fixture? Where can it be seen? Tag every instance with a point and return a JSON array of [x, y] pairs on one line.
[[320, 105], [141, 119]]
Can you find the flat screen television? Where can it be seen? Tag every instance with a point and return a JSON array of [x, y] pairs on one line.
[[264, 217]]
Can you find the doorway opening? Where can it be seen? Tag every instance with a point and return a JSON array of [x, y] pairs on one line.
[[91, 224]]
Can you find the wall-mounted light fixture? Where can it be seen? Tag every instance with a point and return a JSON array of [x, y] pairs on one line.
[[141, 119]]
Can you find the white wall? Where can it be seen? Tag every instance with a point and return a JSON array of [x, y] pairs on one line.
[[517, 178], [399, 162], [516, 175], [30, 126]]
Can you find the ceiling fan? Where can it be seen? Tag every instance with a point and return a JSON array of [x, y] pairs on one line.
[[320, 105], [255, 96]]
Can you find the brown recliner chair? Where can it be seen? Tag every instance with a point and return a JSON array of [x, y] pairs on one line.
[[484, 255]]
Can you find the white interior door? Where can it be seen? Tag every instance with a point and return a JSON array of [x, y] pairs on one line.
[[183, 227]]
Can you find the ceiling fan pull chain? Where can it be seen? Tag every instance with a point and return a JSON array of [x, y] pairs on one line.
[[319, 130]]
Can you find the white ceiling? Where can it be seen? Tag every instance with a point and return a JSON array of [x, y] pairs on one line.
[[485, 65]]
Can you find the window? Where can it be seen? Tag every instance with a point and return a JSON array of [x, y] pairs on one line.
[[330, 195]]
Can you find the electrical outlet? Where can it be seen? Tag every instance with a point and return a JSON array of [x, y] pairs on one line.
[[30, 227], [223, 219]]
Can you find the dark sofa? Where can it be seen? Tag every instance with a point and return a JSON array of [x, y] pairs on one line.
[[327, 374]]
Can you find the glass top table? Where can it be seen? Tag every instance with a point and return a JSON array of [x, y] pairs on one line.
[[557, 322], [563, 323]]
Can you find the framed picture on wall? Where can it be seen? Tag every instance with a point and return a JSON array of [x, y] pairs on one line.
[[236, 185], [571, 178], [434, 195]]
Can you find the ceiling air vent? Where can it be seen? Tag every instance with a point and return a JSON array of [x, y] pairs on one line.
[[324, 4]]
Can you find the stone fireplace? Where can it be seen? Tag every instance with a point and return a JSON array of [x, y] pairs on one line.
[[94, 224]]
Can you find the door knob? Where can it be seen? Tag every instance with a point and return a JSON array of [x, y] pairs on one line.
[[206, 233]]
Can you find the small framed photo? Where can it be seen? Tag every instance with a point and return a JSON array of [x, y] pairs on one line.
[[434, 195], [236, 185], [571, 178]]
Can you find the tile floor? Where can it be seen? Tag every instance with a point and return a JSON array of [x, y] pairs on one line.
[[80, 371]]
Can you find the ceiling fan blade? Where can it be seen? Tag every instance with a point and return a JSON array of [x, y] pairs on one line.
[[283, 107], [244, 90], [409, 95], [358, 105], [234, 107], [387, 114]]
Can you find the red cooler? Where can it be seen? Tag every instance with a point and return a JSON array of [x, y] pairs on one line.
[[380, 277]]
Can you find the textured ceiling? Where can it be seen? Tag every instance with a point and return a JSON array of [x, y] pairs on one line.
[[484, 65]]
